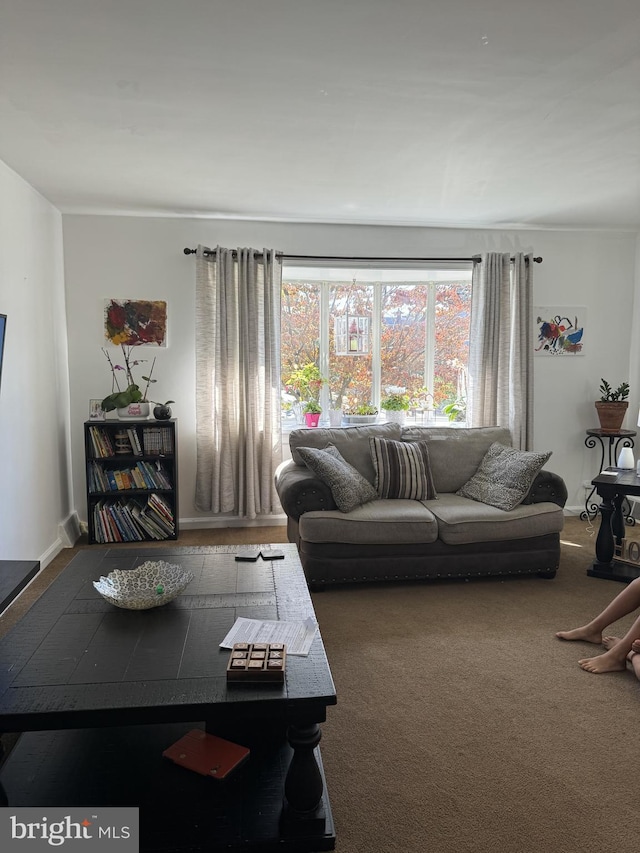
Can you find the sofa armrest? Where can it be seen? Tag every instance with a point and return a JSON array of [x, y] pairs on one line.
[[547, 486], [300, 491]]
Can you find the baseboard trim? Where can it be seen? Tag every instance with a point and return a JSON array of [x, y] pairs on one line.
[[51, 553], [69, 530]]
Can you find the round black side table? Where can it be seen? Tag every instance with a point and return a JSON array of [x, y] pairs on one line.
[[608, 458]]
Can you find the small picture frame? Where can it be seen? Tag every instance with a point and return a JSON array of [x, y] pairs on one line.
[[96, 412]]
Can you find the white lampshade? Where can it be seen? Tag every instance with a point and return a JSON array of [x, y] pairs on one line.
[[625, 459]]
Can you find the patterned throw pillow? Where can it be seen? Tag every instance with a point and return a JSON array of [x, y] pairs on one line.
[[348, 487], [402, 469], [504, 476]]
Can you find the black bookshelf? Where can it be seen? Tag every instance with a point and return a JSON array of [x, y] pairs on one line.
[[132, 480]]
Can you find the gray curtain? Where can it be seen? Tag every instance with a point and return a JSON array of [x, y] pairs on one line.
[[238, 439], [501, 346]]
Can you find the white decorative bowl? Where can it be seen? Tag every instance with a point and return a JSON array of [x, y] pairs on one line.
[[151, 584]]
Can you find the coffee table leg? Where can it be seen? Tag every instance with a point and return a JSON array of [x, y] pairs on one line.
[[604, 540], [303, 785]]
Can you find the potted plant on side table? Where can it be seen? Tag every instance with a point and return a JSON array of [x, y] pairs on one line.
[[612, 405]]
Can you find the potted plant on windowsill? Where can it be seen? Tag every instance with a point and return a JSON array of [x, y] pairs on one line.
[[312, 412], [129, 402], [361, 414], [612, 405], [305, 384], [395, 404]]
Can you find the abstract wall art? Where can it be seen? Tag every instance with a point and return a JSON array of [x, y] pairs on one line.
[[133, 322], [558, 331]]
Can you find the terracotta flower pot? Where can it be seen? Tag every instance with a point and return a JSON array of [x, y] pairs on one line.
[[611, 414]]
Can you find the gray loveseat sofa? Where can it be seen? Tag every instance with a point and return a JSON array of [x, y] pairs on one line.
[[451, 536]]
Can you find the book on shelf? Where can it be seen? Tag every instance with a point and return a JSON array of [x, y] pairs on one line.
[[135, 441], [101, 442], [157, 441], [143, 476], [138, 478]]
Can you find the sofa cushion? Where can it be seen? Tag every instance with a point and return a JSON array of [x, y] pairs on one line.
[[382, 522], [462, 521], [352, 442], [455, 452], [402, 469], [504, 476], [348, 487]]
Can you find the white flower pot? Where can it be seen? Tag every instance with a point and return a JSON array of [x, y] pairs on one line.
[[134, 411], [359, 420], [396, 416]]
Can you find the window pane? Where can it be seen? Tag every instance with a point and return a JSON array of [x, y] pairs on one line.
[[453, 316], [350, 309], [300, 339], [407, 328], [403, 338]]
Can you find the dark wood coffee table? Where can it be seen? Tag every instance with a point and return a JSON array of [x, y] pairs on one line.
[[99, 693], [613, 489]]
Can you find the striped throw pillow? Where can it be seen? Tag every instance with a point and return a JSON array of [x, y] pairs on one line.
[[402, 469]]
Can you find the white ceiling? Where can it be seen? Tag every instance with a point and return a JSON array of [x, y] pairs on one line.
[[474, 113]]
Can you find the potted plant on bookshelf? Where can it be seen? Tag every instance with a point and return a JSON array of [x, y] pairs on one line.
[[395, 403], [612, 405], [129, 402], [162, 411], [312, 412]]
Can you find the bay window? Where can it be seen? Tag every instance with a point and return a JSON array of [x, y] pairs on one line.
[[368, 329]]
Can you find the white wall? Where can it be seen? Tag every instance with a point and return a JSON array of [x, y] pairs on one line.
[[35, 467], [142, 258]]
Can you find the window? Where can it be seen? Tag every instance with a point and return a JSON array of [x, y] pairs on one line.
[[368, 329]]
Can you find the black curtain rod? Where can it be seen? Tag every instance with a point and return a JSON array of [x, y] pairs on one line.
[[474, 259]]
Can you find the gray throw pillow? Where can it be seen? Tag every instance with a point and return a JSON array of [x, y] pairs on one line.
[[403, 469], [504, 476], [348, 487]]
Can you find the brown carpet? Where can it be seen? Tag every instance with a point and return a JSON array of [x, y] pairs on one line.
[[463, 725]]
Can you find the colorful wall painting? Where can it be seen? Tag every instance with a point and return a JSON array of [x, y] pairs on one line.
[[133, 322], [558, 331]]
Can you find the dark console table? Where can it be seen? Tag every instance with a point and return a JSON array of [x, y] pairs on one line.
[[612, 561], [609, 444], [100, 692]]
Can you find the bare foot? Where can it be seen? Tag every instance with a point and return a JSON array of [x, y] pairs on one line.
[[634, 657], [608, 662], [610, 642], [584, 633]]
